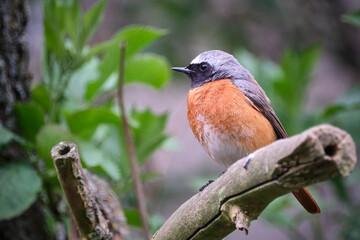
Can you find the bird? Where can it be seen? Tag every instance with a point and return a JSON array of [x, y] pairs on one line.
[[230, 114]]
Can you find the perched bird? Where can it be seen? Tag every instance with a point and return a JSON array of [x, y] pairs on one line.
[[230, 114]]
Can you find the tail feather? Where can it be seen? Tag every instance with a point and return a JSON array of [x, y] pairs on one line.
[[306, 200]]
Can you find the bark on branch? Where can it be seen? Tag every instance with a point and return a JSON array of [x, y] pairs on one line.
[[96, 210], [240, 195]]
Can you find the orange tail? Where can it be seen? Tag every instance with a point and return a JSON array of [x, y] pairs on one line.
[[307, 201]]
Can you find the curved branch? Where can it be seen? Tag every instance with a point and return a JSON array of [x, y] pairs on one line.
[[241, 194]]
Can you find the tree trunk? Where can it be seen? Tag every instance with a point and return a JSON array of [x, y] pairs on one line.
[[14, 87]]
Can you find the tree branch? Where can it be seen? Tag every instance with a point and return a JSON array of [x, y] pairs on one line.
[[96, 210], [240, 195], [130, 148]]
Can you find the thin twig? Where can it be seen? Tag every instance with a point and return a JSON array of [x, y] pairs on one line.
[[135, 175]]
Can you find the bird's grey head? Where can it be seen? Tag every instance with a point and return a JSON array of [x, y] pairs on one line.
[[214, 65]]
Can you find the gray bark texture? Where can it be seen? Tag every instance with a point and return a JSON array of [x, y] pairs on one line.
[[14, 75], [14, 87]]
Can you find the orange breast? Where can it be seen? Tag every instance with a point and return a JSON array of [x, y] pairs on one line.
[[225, 122]]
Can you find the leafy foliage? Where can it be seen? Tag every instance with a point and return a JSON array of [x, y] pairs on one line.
[[31, 119], [150, 67], [345, 112], [84, 123], [75, 102], [6, 138], [353, 18], [137, 37], [16, 194], [146, 133]]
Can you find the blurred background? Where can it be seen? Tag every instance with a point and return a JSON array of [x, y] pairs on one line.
[[306, 56]]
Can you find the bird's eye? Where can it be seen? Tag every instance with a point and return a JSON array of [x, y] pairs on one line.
[[203, 66]]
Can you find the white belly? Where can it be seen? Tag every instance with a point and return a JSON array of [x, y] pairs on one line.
[[226, 153], [220, 146]]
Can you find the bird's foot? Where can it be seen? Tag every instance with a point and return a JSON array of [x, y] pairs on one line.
[[204, 186]]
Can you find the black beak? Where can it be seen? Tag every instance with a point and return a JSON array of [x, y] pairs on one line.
[[182, 69]]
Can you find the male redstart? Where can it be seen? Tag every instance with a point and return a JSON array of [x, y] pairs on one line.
[[230, 114]]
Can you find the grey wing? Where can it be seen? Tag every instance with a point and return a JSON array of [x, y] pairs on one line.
[[256, 95]]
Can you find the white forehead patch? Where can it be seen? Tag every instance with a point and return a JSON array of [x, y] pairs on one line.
[[196, 60], [214, 57]]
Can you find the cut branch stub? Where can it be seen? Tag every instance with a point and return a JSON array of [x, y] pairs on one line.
[[240, 195], [97, 211]]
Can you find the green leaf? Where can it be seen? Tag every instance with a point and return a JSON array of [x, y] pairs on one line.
[[137, 38], [149, 176], [291, 87], [40, 97], [48, 137], [149, 133], [91, 21], [19, 185], [264, 71], [72, 19], [73, 22], [349, 122], [84, 123], [353, 18], [149, 69], [75, 92], [351, 98], [53, 40], [51, 70], [133, 217], [350, 101], [30, 118], [5, 136], [333, 110], [297, 68], [96, 50], [94, 156], [54, 27]]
